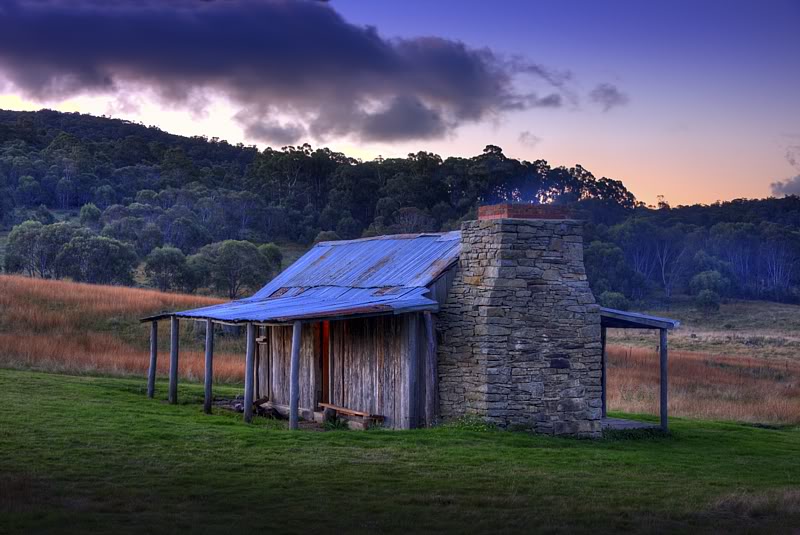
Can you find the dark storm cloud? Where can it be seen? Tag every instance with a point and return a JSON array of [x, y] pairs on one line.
[[281, 134], [293, 59], [405, 117], [790, 186], [608, 96]]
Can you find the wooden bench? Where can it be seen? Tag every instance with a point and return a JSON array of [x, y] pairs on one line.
[[365, 416]]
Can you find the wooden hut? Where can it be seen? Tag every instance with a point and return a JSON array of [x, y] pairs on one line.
[[495, 320], [347, 327]]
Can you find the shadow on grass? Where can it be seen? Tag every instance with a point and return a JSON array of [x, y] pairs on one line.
[[636, 434]]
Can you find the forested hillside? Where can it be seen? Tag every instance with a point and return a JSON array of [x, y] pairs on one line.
[[93, 199]]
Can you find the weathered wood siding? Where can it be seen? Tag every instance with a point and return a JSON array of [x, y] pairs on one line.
[[377, 365], [440, 288], [367, 367], [273, 366]]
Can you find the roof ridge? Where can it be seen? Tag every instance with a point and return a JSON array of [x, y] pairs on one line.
[[406, 236]]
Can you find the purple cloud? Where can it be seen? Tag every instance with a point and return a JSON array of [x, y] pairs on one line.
[[294, 68], [608, 96]]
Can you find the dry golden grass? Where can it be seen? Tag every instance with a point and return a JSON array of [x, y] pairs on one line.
[[80, 328], [706, 386], [22, 294], [758, 329]]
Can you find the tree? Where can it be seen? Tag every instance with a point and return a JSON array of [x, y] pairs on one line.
[[165, 267], [50, 242], [635, 237], [90, 216], [20, 253], [65, 190], [709, 280], [348, 227], [104, 196], [608, 271], [149, 238], [614, 300], [186, 234], [273, 256], [195, 274], [670, 247], [43, 215], [327, 235], [411, 220], [29, 191], [32, 248], [98, 260], [126, 229], [707, 300], [231, 265]]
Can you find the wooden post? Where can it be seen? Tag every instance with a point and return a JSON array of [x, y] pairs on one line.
[[249, 372], [431, 372], [331, 375], [257, 365], [603, 380], [294, 376], [151, 372], [413, 372], [662, 347], [209, 375], [268, 361], [173, 359]]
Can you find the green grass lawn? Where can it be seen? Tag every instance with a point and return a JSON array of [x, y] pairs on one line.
[[93, 453]]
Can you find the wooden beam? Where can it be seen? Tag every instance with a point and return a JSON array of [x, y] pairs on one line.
[[294, 376], [151, 372], [209, 375], [662, 349], [173, 359], [249, 372], [634, 320], [431, 373], [604, 370]]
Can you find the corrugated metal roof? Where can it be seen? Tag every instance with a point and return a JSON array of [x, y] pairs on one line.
[[382, 275], [407, 261], [622, 319]]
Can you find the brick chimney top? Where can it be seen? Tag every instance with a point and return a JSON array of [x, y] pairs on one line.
[[523, 211]]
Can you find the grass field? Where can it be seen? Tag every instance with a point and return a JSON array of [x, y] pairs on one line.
[[741, 363], [83, 454], [759, 329], [81, 328], [84, 451], [705, 385]]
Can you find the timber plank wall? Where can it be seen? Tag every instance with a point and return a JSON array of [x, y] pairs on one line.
[[376, 366]]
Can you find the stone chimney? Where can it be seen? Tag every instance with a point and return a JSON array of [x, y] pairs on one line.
[[520, 331]]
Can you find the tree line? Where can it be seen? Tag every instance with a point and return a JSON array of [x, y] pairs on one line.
[[746, 249], [187, 213]]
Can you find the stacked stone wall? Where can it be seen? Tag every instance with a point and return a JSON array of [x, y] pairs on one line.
[[520, 331]]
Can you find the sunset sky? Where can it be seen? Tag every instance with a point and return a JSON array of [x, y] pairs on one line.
[[695, 100]]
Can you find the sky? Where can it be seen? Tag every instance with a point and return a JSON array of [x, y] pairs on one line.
[[697, 101]]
